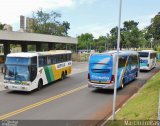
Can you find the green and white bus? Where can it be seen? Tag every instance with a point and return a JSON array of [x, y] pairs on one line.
[[27, 71]]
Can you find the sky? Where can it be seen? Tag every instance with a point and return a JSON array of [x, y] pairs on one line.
[[97, 17]]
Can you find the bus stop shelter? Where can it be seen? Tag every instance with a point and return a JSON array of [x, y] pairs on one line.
[[24, 39]]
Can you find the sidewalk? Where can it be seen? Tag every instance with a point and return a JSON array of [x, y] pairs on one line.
[[1, 82]]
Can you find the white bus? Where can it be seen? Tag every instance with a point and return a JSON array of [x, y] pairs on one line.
[[27, 71], [147, 59], [102, 69]]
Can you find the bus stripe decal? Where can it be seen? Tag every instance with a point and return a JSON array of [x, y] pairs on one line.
[[47, 74], [51, 73], [54, 72]]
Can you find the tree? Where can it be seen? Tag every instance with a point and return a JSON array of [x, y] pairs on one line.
[[66, 26], [85, 41], [102, 43], [2, 26], [48, 23], [132, 36], [154, 29], [129, 25], [114, 36]]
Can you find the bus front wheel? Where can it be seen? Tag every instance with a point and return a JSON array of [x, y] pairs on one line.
[[40, 84]]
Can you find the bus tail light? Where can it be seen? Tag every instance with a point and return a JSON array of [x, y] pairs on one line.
[[88, 76], [112, 79]]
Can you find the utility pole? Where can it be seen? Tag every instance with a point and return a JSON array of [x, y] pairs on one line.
[[117, 59]]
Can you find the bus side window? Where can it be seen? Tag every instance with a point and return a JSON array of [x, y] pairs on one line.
[[33, 68], [122, 61], [68, 57], [33, 72], [53, 59], [42, 61], [58, 58], [49, 60], [64, 58], [152, 55], [34, 60], [134, 60]]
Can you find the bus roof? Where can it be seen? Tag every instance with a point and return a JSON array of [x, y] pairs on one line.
[[147, 51], [128, 52], [114, 53], [32, 54]]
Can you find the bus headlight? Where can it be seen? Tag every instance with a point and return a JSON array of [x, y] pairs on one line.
[[5, 81], [26, 83]]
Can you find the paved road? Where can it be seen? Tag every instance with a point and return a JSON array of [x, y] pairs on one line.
[[70, 99]]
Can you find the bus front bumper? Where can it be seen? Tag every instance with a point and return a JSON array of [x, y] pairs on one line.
[[101, 86], [144, 68], [17, 87]]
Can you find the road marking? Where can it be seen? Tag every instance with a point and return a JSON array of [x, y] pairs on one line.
[[5, 116]]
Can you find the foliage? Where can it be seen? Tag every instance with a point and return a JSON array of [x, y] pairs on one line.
[[48, 23], [85, 41], [131, 35], [2, 26], [154, 30], [158, 48]]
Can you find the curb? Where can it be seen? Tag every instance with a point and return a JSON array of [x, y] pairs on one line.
[[159, 109], [1, 87]]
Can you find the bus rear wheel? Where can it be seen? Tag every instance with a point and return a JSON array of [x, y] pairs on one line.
[[136, 75], [63, 76], [122, 84]]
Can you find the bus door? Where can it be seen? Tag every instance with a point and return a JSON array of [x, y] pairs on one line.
[[132, 68], [123, 70]]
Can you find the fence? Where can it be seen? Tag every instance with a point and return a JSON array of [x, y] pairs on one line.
[[80, 57]]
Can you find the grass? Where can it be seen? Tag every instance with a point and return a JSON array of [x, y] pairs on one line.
[[144, 106]]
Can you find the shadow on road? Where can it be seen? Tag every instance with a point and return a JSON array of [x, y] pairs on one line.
[[103, 91]]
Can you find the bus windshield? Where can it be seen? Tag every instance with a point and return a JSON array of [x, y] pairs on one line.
[[17, 72], [17, 68], [18, 60], [143, 54]]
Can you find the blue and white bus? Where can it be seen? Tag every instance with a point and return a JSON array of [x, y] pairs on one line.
[[102, 69], [147, 59]]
